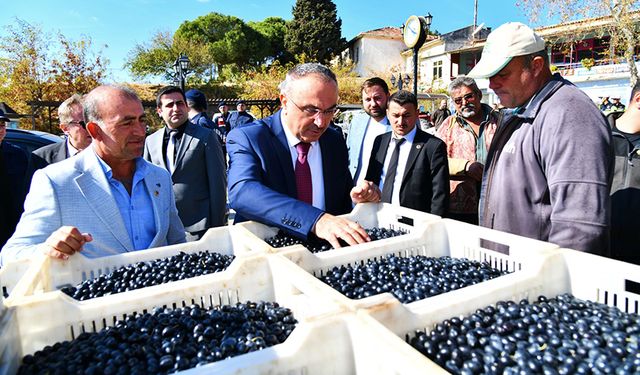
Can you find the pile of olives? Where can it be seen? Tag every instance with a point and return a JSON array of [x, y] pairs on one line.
[[167, 340], [561, 335], [316, 245], [410, 278], [143, 274]]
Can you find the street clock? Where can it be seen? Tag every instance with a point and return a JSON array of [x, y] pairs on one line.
[[414, 33]]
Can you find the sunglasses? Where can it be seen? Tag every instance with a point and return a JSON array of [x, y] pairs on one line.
[[467, 97], [81, 123]]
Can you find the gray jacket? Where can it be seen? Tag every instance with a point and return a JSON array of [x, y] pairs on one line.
[[549, 170]]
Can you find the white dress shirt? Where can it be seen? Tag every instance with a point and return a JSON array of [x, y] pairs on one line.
[[314, 158], [402, 163], [374, 129], [71, 151]]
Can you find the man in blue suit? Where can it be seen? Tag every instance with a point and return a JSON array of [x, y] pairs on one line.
[[106, 200], [365, 127], [290, 170]]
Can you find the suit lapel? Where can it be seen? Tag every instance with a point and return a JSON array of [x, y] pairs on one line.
[[187, 137], [62, 152], [284, 156], [154, 145], [95, 188], [156, 192]]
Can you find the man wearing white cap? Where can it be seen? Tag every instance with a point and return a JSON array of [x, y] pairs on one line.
[[549, 167]]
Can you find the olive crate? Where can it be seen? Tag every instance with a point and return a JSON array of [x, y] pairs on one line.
[[57, 317], [49, 275], [9, 334], [368, 215], [445, 237], [340, 344], [10, 275], [586, 276]]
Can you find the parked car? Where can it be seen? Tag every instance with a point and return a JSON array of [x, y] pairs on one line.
[[30, 140]]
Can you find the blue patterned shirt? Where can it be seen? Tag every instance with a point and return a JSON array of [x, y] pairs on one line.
[[136, 209]]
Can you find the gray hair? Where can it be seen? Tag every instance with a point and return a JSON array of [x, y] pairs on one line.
[[466, 82], [65, 109], [93, 99], [303, 70]]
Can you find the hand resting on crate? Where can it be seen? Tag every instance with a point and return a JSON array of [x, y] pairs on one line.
[[333, 228], [64, 242]]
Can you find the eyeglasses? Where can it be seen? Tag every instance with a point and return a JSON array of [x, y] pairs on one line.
[[81, 123], [313, 112], [467, 97]]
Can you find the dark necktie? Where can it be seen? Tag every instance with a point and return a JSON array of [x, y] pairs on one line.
[[387, 189], [303, 174]]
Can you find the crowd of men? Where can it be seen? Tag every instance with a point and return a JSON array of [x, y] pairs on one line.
[[537, 167]]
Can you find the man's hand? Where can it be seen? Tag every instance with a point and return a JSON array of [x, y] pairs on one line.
[[332, 228], [65, 242], [474, 170], [366, 191]]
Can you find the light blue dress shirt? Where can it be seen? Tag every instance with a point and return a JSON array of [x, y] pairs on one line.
[[136, 209]]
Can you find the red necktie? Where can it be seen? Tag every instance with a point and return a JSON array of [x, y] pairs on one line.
[[303, 174]]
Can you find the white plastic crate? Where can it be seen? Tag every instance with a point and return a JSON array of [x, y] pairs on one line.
[[10, 275], [368, 215], [342, 344], [439, 238], [57, 317], [586, 276], [49, 275], [10, 335]]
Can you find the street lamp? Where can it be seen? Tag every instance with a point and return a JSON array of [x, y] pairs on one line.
[[181, 68], [400, 80]]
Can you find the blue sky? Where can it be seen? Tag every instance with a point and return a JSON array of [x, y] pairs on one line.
[[121, 24]]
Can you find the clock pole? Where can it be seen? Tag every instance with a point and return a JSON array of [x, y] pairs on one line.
[[415, 70]]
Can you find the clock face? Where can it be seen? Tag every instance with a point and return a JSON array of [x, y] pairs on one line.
[[412, 31]]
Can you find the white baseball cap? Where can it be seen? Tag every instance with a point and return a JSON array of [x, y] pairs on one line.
[[504, 43]]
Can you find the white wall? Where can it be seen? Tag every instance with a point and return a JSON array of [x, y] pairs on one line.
[[377, 56]]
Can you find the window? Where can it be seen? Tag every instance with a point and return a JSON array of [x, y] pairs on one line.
[[437, 69]]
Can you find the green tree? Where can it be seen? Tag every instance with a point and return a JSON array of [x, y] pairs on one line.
[[315, 30], [229, 40], [620, 21], [274, 29], [156, 58]]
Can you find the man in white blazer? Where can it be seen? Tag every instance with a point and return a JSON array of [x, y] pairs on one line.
[[107, 200], [193, 156], [365, 127]]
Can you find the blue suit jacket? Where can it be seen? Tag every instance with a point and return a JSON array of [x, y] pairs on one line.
[[76, 192], [262, 183], [355, 138]]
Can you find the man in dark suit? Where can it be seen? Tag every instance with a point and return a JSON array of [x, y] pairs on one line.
[[193, 156], [410, 165], [73, 126], [14, 164], [290, 170]]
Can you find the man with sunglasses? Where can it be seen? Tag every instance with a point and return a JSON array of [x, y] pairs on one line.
[[467, 134], [290, 170], [76, 136]]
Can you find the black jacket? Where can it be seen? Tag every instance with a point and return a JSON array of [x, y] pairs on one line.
[[625, 200], [425, 184]]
